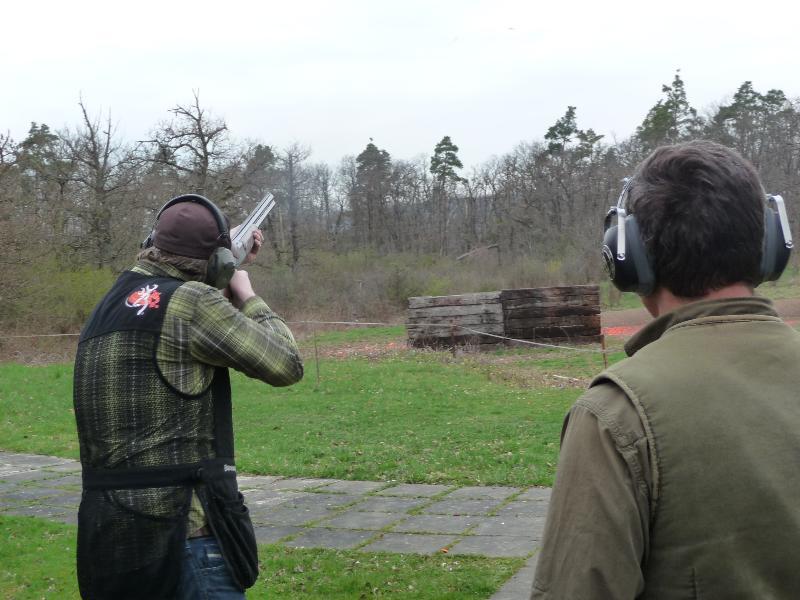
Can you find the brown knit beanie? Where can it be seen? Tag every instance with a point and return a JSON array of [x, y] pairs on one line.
[[188, 229]]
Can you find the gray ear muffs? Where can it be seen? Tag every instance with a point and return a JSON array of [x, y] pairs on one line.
[[221, 264], [624, 255], [778, 242]]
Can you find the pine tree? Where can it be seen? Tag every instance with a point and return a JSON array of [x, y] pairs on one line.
[[671, 120], [445, 161], [565, 131], [373, 175]]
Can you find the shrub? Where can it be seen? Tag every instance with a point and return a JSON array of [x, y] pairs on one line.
[[55, 300]]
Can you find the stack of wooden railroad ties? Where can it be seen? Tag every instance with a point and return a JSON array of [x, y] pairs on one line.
[[486, 320]]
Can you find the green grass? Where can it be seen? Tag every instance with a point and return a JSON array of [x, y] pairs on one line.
[[288, 573], [414, 417], [359, 334], [36, 410], [37, 560], [408, 418], [573, 365]]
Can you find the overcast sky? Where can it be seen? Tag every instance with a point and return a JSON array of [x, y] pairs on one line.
[[332, 74]]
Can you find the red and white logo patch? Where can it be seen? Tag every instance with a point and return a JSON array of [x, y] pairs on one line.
[[144, 298]]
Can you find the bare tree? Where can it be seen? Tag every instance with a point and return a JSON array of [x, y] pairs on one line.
[[294, 179], [197, 147], [8, 154], [322, 186], [104, 170]]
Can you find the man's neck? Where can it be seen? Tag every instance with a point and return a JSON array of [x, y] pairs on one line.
[[663, 301]]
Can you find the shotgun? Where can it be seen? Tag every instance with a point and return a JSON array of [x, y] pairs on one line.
[[242, 240]]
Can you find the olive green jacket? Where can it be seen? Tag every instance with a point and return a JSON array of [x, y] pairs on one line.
[[677, 477]]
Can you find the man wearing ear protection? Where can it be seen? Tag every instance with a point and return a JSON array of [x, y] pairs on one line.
[[161, 515], [678, 469]]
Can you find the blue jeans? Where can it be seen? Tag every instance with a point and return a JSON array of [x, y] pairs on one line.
[[204, 574]]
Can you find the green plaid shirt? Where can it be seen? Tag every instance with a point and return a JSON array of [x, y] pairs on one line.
[[203, 330]]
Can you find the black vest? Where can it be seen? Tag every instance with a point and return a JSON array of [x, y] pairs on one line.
[[144, 447]]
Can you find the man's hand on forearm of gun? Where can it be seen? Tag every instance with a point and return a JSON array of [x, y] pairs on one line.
[[240, 289]]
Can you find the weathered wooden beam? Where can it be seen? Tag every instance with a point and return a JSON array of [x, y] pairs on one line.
[[582, 320], [456, 311], [459, 300], [535, 333], [550, 292], [530, 312], [474, 323], [516, 303]]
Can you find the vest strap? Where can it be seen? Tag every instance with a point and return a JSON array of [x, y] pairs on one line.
[[142, 477]]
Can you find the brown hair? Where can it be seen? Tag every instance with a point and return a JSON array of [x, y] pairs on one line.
[[700, 210], [193, 268]]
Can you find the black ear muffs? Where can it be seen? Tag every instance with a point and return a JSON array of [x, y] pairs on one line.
[[629, 268], [624, 255], [778, 242], [221, 264]]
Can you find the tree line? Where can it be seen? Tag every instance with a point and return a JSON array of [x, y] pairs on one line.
[[84, 198]]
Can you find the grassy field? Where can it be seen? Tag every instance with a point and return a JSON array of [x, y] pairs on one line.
[[37, 560], [412, 416], [368, 408], [36, 409], [378, 411]]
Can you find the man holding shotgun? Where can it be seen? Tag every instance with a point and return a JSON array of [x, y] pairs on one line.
[[160, 514]]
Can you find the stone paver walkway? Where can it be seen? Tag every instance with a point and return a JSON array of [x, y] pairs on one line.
[[328, 513]]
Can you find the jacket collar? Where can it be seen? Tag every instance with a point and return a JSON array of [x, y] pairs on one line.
[[752, 305]]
